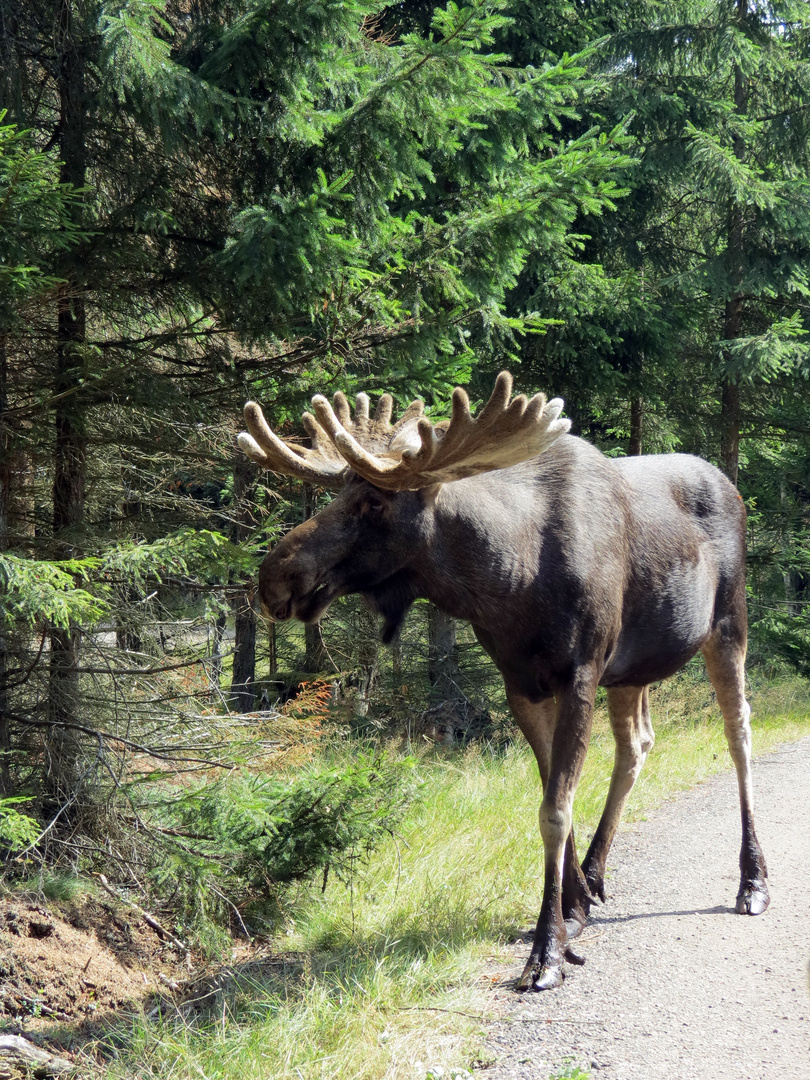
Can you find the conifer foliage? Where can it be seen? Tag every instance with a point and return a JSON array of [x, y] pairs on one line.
[[234, 199], [206, 201]]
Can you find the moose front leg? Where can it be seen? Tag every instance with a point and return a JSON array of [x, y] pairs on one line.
[[572, 731], [538, 721]]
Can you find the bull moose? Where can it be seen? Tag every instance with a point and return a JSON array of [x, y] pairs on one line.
[[575, 571]]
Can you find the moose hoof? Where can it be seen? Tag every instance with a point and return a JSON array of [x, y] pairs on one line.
[[752, 898], [540, 977], [525, 980], [598, 890], [548, 978]]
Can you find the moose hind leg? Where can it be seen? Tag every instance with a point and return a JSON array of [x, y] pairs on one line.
[[629, 711], [725, 662]]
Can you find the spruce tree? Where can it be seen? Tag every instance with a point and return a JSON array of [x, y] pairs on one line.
[[270, 196], [683, 323], [717, 221]]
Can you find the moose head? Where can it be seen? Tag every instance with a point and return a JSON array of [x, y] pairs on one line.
[[391, 476]]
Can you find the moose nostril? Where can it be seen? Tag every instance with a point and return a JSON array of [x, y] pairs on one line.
[[283, 611]]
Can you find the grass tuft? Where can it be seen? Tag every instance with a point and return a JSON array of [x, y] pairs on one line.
[[64, 887]]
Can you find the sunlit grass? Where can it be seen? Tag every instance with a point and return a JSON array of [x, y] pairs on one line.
[[382, 980]]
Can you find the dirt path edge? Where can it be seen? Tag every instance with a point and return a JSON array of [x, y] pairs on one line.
[[676, 986]]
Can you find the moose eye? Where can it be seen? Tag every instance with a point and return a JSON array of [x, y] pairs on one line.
[[374, 506]]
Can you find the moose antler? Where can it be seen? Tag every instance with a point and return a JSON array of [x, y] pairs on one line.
[[322, 463], [413, 453]]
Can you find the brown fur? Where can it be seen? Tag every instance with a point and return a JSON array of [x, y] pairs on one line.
[[575, 571]]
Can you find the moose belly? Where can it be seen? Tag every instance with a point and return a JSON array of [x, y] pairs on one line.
[[658, 641]]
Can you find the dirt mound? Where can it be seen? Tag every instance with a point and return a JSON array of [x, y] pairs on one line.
[[72, 962]]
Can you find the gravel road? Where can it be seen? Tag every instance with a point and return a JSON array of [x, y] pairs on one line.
[[676, 985]]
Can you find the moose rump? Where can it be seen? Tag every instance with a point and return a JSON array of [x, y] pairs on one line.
[[574, 570]]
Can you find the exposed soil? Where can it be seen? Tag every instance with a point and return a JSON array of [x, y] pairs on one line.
[[70, 973], [676, 985], [66, 968]]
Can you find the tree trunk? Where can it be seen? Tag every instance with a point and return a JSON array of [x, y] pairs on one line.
[[272, 637], [128, 623], [636, 426], [130, 615], [443, 669], [6, 787], [215, 667], [272, 649], [244, 648], [314, 652], [368, 651], [450, 717], [244, 653], [65, 768], [5, 448], [730, 419], [730, 411], [5, 508]]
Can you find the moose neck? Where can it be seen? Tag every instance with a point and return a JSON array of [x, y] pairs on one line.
[[482, 546], [473, 546]]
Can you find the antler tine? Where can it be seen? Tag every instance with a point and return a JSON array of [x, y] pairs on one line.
[[459, 426], [342, 409], [311, 427], [554, 407], [384, 410], [516, 411], [249, 446], [320, 465], [537, 406], [498, 399], [413, 412], [261, 435], [361, 409], [429, 442]]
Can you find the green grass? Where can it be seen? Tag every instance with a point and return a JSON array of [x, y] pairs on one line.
[[384, 980]]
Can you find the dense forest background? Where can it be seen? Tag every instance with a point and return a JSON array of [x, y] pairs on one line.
[[205, 201]]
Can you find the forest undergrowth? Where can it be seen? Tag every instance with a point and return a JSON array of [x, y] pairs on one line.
[[394, 972]]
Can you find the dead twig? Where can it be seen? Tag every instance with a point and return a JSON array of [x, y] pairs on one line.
[[150, 920]]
